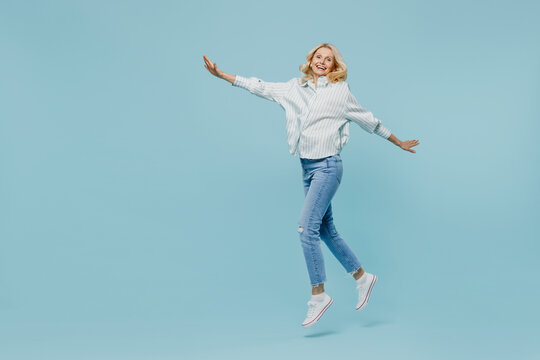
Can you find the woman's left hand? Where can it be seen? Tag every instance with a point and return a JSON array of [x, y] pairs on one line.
[[407, 145]]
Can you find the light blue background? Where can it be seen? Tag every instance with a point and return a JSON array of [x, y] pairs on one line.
[[149, 210]]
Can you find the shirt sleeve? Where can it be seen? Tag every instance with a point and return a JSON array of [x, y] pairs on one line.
[[363, 117], [274, 91]]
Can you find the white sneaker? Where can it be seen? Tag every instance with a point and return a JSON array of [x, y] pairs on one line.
[[364, 289], [315, 310]]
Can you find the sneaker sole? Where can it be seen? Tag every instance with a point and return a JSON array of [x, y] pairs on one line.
[[312, 322], [368, 293]]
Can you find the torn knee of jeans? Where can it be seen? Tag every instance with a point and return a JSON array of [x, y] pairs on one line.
[[300, 229]]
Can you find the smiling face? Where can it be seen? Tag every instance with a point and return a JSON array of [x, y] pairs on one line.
[[322, 62]]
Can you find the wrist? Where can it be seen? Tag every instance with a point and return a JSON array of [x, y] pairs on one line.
[[228, 77], [394, 139]]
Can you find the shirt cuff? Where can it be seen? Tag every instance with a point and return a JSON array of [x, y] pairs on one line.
[[382, 131], [240, 81]]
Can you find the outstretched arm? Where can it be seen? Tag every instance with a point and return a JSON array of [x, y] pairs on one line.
[[366, 120], [274, 91]]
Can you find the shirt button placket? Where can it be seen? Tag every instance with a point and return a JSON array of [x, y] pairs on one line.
[[306, 117], [310, 107]]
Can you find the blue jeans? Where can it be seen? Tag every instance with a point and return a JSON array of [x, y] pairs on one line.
[[321, 181]]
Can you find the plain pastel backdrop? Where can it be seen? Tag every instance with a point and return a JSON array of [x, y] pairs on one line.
[[148, 210]]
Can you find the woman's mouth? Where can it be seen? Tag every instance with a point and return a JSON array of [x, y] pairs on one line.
[[322, 68]]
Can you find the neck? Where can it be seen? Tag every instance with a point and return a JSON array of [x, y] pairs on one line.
[[315, 77]]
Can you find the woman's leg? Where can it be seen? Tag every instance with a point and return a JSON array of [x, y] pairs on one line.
[[338, 246], [320, 185], [334, 241]]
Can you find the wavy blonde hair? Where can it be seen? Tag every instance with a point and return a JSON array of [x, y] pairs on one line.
[[339, 72]]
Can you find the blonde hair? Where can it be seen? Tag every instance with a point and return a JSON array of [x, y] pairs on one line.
[[339, 72]]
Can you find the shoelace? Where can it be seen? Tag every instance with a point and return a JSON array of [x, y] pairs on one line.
[[311, 309]]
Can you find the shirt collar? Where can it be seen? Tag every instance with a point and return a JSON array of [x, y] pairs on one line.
[[322, 81]]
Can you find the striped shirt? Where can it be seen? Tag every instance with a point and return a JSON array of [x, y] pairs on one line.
[[317, 118]]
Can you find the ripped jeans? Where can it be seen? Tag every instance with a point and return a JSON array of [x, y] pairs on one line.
[[321, 180]]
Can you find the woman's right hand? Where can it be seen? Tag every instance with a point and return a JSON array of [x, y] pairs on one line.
[[212, 67]]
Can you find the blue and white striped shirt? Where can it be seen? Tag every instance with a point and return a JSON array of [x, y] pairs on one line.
[[317, 118]]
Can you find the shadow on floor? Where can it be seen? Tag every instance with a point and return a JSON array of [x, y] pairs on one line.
[[374, 323], [321, 334]]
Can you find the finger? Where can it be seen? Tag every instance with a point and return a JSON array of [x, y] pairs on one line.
[[210, 70]]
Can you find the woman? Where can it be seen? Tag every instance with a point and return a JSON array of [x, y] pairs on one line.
[[318, 108]]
